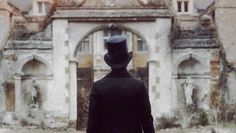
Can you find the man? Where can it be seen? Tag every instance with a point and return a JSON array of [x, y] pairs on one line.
[[118, 102]]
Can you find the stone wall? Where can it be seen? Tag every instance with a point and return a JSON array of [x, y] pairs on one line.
[[5, 27], [225, 21], [203, 74]]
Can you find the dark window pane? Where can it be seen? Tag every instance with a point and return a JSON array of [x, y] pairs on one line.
[[179, 4], [186, 6], [141, 46]]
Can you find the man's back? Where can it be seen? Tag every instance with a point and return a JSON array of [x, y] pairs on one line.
[[122, 105]]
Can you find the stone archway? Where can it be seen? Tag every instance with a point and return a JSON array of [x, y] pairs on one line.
[[92, 67], [100, 27], [69, 31]]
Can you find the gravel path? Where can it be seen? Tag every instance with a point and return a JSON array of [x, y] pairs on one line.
[[196, 130], [28, 130]]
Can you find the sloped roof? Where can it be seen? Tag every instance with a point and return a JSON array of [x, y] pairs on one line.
[[202, 4], [120, 4], [23, 5]]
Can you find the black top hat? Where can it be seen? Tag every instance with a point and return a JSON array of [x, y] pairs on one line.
[[118, 55]]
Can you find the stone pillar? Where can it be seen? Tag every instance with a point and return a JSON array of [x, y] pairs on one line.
[[18, 94], [163, 66], [73, 91], [59, 99], [153, 86]]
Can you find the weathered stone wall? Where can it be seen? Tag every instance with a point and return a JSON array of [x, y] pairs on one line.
[[7, 65], [225, 21], [60, 100], [5, 27], [187, 22], [203, 76]]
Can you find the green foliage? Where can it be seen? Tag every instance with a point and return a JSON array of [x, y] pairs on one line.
[[167, 122], [23, 122], [203, 119], [227, 125]]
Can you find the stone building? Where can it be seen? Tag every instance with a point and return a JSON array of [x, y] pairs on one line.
[[52, 51]]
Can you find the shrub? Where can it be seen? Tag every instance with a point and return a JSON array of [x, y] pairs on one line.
[[167, 122], [203, 119]]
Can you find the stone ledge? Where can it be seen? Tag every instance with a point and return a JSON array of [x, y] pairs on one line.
[[31, 44], [195, 43], [103, 15]]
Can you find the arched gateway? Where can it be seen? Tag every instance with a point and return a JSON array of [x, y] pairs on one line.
[[72, 25]]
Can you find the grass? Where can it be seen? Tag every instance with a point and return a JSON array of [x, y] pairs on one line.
[[227, 125]]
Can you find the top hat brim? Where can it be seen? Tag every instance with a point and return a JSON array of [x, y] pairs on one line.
[[120, 64]]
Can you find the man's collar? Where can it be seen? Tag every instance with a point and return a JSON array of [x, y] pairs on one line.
[[118, 73]]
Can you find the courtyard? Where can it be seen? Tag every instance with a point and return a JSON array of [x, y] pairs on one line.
[[208, 129], [51, 52]]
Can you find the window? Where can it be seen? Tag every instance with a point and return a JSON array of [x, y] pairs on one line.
[[40, 7], [179, 4], [183, 6], [85, 46], [43, 7], [141, 46], [47, 7]]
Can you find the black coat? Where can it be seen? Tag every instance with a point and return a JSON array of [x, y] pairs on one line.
[[119, 104]]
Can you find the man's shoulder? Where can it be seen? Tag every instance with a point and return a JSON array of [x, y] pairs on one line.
[[131, 80]]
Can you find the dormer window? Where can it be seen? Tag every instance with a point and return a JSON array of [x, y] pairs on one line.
[[43, 8], [183, 6]]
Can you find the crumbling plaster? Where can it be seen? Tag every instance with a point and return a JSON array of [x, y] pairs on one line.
[[225, 22]]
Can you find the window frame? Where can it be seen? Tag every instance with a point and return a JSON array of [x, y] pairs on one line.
[[43, 7], [144, 45], [186, 6], [183, 6], [83, 49]]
